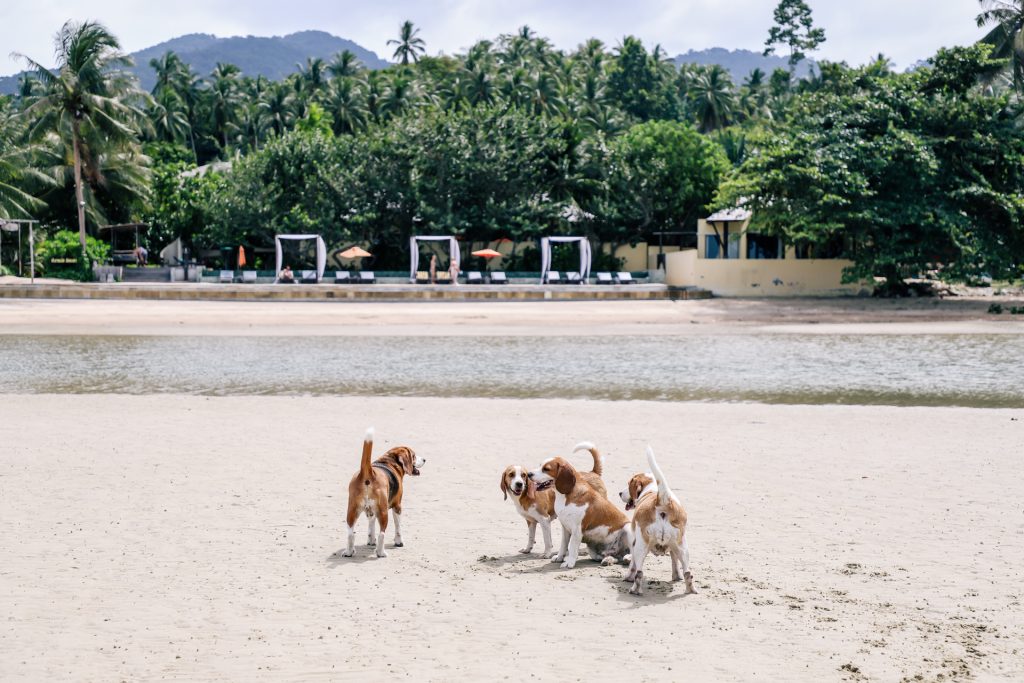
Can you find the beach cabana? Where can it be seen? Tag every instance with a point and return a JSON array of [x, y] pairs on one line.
[[545, 255], [14, 225], [454, 254], [321, 252]]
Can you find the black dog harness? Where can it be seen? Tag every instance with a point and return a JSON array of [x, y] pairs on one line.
[[392, 480]]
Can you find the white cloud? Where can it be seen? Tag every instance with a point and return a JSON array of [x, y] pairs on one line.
[[905, 30]]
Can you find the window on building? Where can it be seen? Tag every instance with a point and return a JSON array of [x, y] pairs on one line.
[[711, 246], [764, 246]]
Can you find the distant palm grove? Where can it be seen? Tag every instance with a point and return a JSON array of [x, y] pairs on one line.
[[900, 172]]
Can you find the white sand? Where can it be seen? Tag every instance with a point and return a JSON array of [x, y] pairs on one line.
[[187, 538]]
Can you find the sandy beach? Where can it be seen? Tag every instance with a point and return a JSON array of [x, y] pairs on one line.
[[819, 316], [828, 543]]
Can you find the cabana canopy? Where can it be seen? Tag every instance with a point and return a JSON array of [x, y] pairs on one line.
[[454, 255], [321, 253], [545, 255]]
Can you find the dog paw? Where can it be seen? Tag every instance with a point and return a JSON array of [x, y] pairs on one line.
[[636, 590], [371, 542], [382, 553], [608, 561], [347, 553], [568, 565], [399, 544], [557, 558], [629, 578]]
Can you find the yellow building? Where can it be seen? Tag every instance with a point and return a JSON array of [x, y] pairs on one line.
[[730, 260]]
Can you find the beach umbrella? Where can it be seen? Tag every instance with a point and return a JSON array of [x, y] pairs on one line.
[[354, 252], [241, 257], [487, 253]]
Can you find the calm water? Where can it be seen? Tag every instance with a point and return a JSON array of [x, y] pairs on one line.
[[964, 370]]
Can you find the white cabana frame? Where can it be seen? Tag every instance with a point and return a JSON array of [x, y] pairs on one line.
[[454, 253], [545, 256], [321, 253]]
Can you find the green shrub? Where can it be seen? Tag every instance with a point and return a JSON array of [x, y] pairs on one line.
[[60, 255]]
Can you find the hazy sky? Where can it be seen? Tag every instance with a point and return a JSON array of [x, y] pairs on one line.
[[905, 30]]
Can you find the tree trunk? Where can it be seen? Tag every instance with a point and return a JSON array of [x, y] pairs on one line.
[[79, 196]]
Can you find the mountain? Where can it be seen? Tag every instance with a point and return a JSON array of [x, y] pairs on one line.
[[273, 57], [739, 63]]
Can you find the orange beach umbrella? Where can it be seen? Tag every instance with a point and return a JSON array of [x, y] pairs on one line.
[[354, 252], [241, 257], [487, 253]]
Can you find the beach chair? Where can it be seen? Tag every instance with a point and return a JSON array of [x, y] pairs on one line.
[[497, 277], [249, 277], [474, 277], [604, 278], [443, 278], [625, 278], [226, 276], [308, 276], [366, 277], [572, 278], [422, 277], [553, 277], [342, 277]]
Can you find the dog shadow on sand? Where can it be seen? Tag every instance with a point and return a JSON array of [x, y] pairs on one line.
[[655, 592], [363, 554]]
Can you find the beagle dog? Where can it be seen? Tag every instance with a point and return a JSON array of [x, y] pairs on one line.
[[659, 526], [376, 489], [587, 516], [536, 507]]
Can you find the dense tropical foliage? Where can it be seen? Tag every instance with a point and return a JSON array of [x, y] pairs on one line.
[[516, 139]]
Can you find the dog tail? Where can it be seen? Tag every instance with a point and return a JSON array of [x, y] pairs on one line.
[[365, 467], [596, 454], [663, 492]]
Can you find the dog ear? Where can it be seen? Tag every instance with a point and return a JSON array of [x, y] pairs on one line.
[[504, 485], [565, 482]]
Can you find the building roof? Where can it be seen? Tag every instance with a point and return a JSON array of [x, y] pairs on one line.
[[735, 215]]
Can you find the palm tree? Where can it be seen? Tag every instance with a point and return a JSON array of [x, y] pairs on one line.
[[346, 101], [712, 98], [87, 96], [312, 75], [1007, 34], [18, 172], [276, 105], [345, 64], [224, 99], [409, 44]]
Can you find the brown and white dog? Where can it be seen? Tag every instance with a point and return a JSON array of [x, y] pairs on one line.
[[586, 515], [536, 507], [659, 526], [376, 489]]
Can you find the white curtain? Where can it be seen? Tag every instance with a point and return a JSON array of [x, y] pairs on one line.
[[454, 253], [321, 253], [545, 255]]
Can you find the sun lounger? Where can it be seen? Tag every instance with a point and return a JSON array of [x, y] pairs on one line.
[[443, 278], [308, 276], [422, 277], [572, 278], [249, 277], [625, 278], [474, 277], [226, 276], [553, 277], [342, 277], [604, 278], [498, 278], [366, 277]]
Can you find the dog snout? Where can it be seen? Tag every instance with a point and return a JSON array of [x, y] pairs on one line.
[[529, 475]]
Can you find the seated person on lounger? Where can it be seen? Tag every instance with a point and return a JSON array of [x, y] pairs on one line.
[[286, 275]]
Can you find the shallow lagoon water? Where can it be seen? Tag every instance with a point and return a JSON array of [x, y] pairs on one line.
[[904, 370]]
